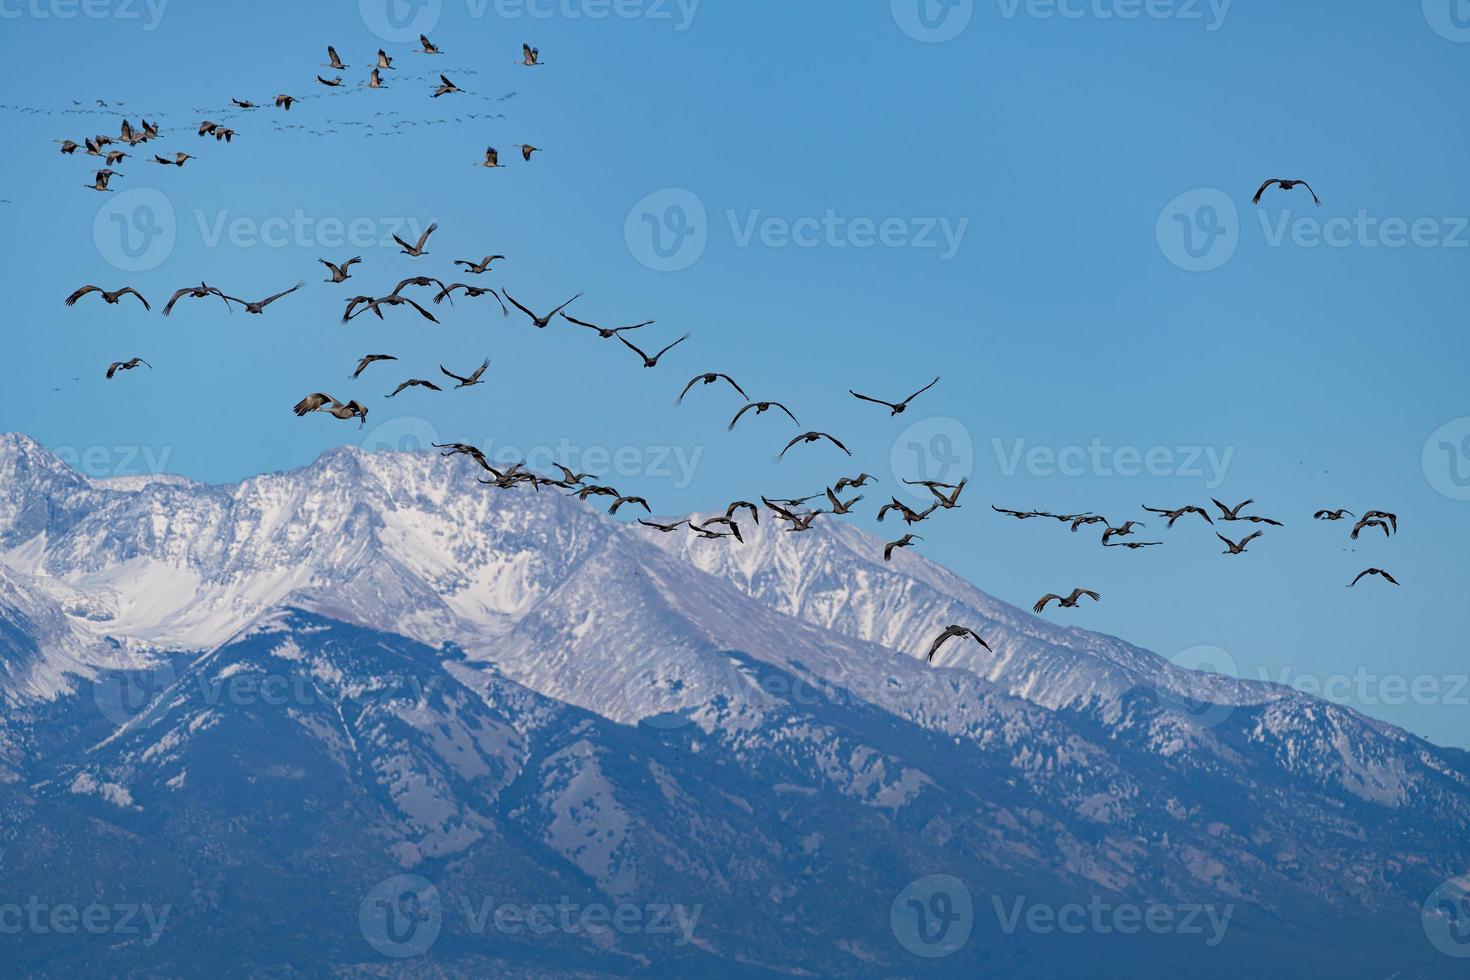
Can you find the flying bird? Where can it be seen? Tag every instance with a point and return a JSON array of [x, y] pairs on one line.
[[339, 273], [950, 632], [541, 321], [629, 500], [201, 291], [333, 61], [428, 47], [99, 182], [285, 102], [1083, 519], [1286, 185], [1020, 515], [492, 158], [1366, 522], [1133, 545], [708, 379], [665, 528], [1174, 515], [1333, 515], [481, 267], [178, 160], [531, 57], [809, 437], [895, 408], [840, 507], [1237, 547], [472, 292], [648, 361], [909, 515], [760, 409], [415, 383], [384, 60], [1121, 530], [330, 82], [606, 333], [907, 541], [370, 359], [1373, 571], [110, 298], [446, 87], [418, 249], [1066, 602], [1392, 519], [314, 402], [129, 365], [258, 308], [472, 380], [527, 149]]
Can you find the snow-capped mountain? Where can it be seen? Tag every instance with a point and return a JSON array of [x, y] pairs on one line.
[[491, 689]]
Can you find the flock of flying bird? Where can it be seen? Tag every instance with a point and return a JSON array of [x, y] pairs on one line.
[[793, 512]]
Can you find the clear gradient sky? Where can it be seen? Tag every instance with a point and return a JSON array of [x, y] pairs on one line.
[[1048, 204]]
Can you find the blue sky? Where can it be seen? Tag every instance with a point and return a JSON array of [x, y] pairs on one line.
[[842, 198]]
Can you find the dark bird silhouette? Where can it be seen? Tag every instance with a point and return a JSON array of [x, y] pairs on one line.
[[755, 513], [417, 250], [950, 632], [415, 383], [363, 364], [1237, 547], [629, 500], [951, 500], [1066, 602], [339, 273], [127, 365], [665, 528], [1083, 519], [285, 102], [446, 87], [606, 333], [839, 507], [1286, 185], [1383, 515], [1233, 513], [472, 292], [492, 158], [856, 482], [895, 408], [652, 361], [481, 267], [110, 298], [424, 282], [201, 291], [259, 307], [541, 321], [330, 82], [527, 149], [99, 181], [1133, 545], [1333, 515], [178, 160], [427, 46], [531, 57], [909, 515], [760, 409], [907, 541], [1366, 522], [809, 437], [1174, 515], [1373, 571], [472, 380], [384, 60], [333, 61], [243, 104], [1020, 515], [313, 402], [708, 379], [1121, 530]]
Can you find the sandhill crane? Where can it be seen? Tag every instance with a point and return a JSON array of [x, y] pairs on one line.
[[446, 87], [760, 409], [100, 181], [1237, 547], [1066, 602], [531, 57], [606, 333], [1174, 515], [330, 82], [895, 408], [201, 291], [375, 80], [481, 267], [467, 382], [129, 365], [950, 632], [415, 383], [243, 104], [1392, 519], [650, 361], [1366, 522], [1286, 185], [427, 47], [285, 102], [527, 149], [110, 298], [370, 359], [332, 60], [665, 528], [178, 161], [1121, 530], [258, 308], [417, 250], [856, 482], [907, 541], [709, 379], [492, 158], [384, 60], [1374, 571], [1333, 515], [339, 273], [840, 507], [541, 321]]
